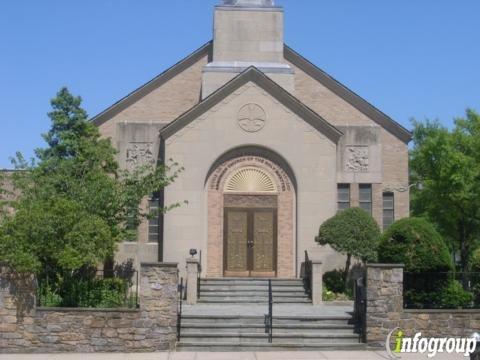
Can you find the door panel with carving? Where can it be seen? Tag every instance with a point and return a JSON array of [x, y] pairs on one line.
[[237, 237], [250, 242], [263, 240]]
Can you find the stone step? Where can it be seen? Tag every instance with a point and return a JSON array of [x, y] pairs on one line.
[[297, 294], [252, 300], [277, 320], [259, 288], [265, 346], [242, 338], [321, 330], [250, 282]]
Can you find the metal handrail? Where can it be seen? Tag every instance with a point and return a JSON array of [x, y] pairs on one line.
[[269, 316], [199, 276], [307, 275], [179, 308], [360, 310]]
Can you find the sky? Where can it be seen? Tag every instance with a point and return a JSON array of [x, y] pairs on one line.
[[410, 58]]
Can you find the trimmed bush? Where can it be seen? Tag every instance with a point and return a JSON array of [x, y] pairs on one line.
[[415, 243], [352, 232], [334, 281]]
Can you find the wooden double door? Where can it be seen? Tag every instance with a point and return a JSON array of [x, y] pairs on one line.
[[250, 242]]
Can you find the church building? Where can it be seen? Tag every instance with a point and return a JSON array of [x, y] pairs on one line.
[[271, 147]]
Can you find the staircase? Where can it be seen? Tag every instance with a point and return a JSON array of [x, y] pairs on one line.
[[230, 317], [251, 291]]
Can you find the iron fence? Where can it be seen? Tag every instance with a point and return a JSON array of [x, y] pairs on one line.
[[441, 290], [88, 288]]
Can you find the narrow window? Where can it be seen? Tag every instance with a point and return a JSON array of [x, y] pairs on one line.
[[365, 197], [343, 196], [153, 221], [388, 209], [131, 225]]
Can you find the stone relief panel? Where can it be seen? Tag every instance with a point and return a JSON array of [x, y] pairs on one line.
[[139, 154], [138, 144], [252, 118], [359, 155], [357, 159]]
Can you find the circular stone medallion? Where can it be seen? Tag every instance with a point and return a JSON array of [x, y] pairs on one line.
[[252, 118]]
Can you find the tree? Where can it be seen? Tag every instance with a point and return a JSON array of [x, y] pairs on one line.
[[75, 202], [447, 165], [352, 232], [415, 243]]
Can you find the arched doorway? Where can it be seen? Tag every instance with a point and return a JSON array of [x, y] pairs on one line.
[[251, 218]]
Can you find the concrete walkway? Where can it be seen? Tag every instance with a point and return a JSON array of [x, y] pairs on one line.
[[335, 355]]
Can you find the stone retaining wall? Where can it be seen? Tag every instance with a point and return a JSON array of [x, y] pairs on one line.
[[24, 328], [385, 310]]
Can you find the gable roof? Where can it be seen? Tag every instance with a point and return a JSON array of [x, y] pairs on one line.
[[252, 74], [348, 95], [153, 84], [295, 58]]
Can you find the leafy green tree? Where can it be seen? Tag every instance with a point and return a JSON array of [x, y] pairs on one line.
[[352, 232], [475, 261], [75, 202], [447, 165], [415, 243]]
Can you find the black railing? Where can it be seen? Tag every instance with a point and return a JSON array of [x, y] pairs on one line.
[[441, 290], [306, 274], [269, 316], [180, 290], [476, 353], [199, 274], [88, 288], [360, 309]]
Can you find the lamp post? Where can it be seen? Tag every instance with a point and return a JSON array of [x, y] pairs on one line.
[[476, 353]]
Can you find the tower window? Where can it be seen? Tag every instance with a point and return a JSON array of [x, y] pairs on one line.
[[343, 197], [388, 209], [365, 197], [153, 221]]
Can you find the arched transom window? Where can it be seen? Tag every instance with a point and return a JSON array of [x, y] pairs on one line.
[[250, 180]]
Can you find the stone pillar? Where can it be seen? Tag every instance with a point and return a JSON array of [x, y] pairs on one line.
[[158, 306], [17, 310], [384, 301], [192, 280], [317, 282]]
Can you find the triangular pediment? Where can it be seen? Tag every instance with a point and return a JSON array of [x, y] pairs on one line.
[[258, 78]]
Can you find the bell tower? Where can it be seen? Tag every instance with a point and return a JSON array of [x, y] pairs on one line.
[[247, 33]]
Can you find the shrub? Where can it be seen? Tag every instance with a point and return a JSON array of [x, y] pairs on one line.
[[352, 232], [83, 288], [334, 281], [415, 243], [453, 296]]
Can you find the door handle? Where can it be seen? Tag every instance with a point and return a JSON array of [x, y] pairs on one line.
[[250, 244]]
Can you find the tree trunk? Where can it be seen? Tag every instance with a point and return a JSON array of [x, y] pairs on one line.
[[347, 270]]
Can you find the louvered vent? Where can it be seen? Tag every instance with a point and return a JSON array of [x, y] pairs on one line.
[[250, 180]]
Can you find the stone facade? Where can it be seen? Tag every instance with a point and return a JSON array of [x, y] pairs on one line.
[[27, 328], [372, 149], [385, 311]]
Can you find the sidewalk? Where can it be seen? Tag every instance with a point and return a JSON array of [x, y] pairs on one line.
[[334, 355]]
